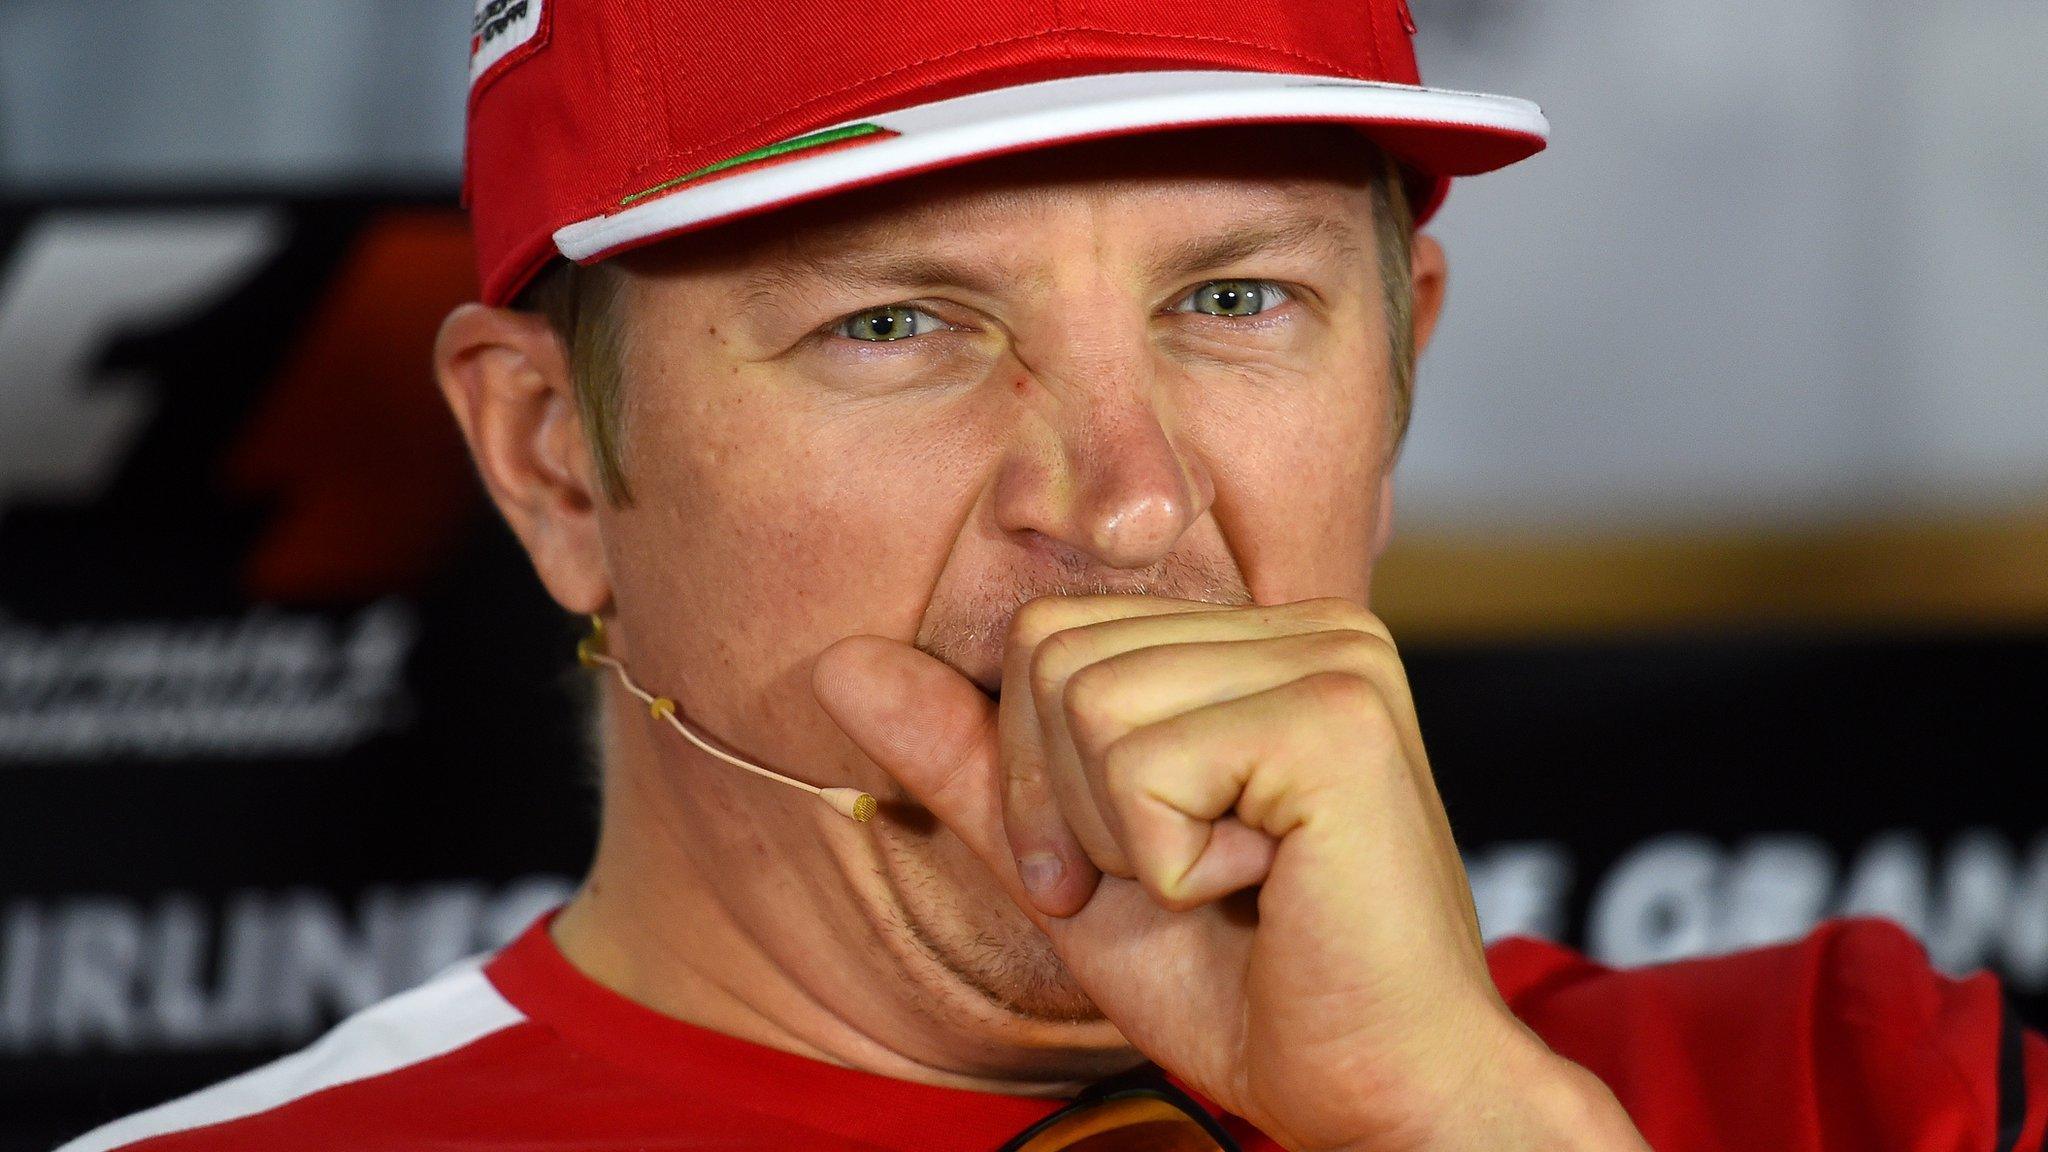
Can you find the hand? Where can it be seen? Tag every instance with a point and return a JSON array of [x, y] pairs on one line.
[[1224, 821]]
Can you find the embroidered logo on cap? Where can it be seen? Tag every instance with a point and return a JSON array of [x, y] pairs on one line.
[[501, 29], [825, 141]]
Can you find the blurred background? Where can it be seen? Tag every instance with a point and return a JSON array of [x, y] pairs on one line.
[[1722, 570]]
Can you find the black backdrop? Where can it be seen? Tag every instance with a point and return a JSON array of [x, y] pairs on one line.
[[286, 724]]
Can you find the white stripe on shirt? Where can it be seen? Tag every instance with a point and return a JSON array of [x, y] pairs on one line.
[[453, 1009]]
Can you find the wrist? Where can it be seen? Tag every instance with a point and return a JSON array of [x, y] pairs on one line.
[[1576, 1110], [1540, 1100], [1529, 1098]]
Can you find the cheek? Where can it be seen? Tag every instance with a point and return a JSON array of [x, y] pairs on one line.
[[855, 510], [1299, 469], [776, 526]]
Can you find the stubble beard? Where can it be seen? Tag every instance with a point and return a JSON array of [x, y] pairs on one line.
[[971, 930]]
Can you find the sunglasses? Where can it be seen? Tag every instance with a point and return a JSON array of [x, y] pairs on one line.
[[1139, 1111]]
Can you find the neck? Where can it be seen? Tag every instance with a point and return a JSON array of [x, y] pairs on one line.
[[654, 924]]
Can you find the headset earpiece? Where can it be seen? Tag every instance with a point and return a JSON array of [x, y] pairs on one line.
[[592, 651]]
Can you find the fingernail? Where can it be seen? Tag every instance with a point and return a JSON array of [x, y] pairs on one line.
[[1040, 872]]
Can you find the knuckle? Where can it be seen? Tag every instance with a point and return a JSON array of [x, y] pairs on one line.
[[1349, 695], [1056, 656], [954, 745], [1346, 649], [1132, 768], [1337, 612], [1126, 764], [1332, 611], [1090, 697], [1037, 619], [1097, 679], [1159, 885], [1339, 689], [1168, 894]]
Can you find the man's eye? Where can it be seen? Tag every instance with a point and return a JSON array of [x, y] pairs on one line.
[[1233, 298], [895, 322]]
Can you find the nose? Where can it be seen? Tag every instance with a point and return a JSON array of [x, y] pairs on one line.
[[1100, 469]]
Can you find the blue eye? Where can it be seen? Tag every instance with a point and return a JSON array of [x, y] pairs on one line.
[[895, 322], [1233, 298]]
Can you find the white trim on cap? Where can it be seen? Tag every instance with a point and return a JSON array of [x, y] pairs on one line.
[[1044, 112], [448, 1012]]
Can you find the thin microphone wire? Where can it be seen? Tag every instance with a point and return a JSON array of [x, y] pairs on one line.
[[590, 652]]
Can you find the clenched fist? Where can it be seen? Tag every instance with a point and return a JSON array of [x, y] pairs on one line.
[[1224, 821]]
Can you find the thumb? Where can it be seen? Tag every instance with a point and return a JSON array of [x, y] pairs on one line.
[[925, 725]]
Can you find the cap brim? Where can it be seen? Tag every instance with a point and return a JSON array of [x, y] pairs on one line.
[[1435, 132]]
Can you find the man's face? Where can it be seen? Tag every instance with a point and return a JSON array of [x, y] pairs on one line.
[[1153, 366]]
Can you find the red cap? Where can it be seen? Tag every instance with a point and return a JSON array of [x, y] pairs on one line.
[[596, 126]]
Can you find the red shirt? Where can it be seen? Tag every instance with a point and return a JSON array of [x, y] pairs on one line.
[[1844, 1040]]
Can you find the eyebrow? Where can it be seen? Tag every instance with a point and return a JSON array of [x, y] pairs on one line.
[[866, 269], [1299, 234], [870, 269]]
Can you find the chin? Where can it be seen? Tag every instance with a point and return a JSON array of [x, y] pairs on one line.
[[961, 919], [1015, 972]]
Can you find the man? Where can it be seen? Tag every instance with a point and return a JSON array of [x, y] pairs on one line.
[[992, 413]]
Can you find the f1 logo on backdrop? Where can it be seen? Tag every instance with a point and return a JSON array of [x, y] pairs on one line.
[[213, 418], [344, 438], [77, 281]]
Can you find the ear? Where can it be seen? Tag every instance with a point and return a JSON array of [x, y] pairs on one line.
[[506, 376], [1431, 278], [1383, 528]]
